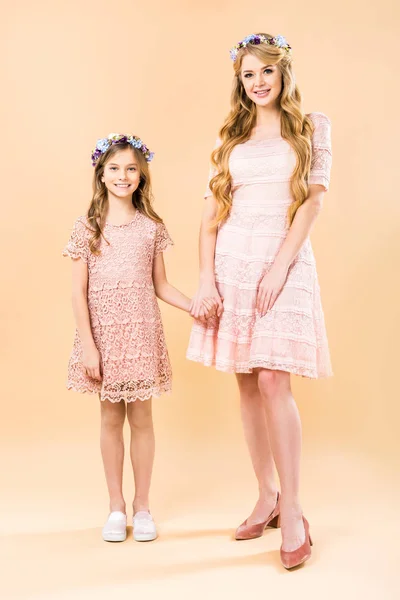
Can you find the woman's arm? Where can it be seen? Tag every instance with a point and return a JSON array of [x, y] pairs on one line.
[[91, 356], [301, 227], [164, 290], [207, 294], [273, 282]]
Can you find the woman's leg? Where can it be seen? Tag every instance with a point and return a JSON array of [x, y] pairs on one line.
[[284, 428], [142, 450], [112, 450], [256, 434]]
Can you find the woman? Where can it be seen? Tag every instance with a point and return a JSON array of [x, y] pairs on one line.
[[270, 169]]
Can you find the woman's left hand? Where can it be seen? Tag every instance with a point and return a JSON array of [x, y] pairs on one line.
[[270, 287]]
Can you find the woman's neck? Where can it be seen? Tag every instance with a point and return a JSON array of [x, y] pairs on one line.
[[268, 117]]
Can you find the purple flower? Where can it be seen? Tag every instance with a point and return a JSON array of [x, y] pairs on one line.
[[121, 140]]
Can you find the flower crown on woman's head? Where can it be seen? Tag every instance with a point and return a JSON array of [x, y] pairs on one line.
[[279, 41], [119, 138]]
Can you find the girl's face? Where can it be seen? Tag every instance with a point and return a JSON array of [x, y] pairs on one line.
[[121, 173], [262, 83]]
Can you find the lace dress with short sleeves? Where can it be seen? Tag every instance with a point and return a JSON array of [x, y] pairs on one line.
[[291, 336], [124, 313]]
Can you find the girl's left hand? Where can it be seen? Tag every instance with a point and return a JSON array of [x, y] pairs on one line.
[[207, 310], [269, 289]]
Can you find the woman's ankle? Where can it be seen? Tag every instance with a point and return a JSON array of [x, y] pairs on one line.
[[291, 507], [268, 494]]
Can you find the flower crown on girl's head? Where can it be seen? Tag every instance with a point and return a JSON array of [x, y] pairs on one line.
[[119, 138], [279, 41]]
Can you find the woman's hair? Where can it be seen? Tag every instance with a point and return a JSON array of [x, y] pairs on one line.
[[296, 128], [142, 198]]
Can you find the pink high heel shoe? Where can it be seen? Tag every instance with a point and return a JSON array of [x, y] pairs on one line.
[[300, 555], [250, 532]]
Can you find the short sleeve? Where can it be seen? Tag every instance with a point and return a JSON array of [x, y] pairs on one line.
[[78, 244], [163, 239], [321, 159], [212, 172]]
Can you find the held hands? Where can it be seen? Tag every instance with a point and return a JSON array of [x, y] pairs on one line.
[[206, 302], [270, 287], [92, 363]]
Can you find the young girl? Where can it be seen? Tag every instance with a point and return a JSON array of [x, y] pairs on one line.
[[119, 350], [270, 170]]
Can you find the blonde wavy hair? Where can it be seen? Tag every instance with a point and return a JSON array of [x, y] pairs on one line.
[[142, 198], [296, 129]]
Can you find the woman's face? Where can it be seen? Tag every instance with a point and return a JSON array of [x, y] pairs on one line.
[[262, 83]]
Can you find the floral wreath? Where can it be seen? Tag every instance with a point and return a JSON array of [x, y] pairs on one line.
[[278, 41], [104, 144]]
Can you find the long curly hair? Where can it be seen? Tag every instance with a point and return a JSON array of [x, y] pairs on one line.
[[296, 129], [142, 197]]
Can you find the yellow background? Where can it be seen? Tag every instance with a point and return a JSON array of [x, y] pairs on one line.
[[76, 71]]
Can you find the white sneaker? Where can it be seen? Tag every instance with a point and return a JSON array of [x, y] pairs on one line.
[[144, 528], [115, 528]]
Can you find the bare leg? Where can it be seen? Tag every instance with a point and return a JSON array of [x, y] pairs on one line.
[[285, 436], [112, 450], [256, 434], [142, 450]]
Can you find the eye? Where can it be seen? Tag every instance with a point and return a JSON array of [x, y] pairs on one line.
[[132, 168], [113, 168], [248, 75], [268, 71]]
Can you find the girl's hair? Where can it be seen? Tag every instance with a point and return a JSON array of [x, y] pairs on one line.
[[296, 128], [142, 198]]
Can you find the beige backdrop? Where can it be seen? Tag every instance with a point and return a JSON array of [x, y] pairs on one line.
[[75, 71]]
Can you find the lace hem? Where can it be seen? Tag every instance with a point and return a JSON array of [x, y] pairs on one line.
[[77, 246], [230, 367], [75, 252], [163, 239], [115, 397], [319, 179]]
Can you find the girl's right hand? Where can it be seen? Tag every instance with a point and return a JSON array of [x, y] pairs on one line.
[[92, 363], [207, 296]]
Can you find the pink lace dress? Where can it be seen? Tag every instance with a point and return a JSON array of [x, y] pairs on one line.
[[291, 336], [124, 314]]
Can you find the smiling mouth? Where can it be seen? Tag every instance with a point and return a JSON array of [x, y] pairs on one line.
[[122, 185], [262, 93]]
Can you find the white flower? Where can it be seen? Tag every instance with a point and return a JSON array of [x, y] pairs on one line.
[[103, 144], [281, 42]]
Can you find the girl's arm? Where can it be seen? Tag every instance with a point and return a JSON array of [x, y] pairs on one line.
[[164, 290], [207, 294], [90, 356], [273, 282]]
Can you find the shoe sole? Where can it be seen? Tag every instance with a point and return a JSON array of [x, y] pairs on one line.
[[144, 537], [114, 537], [303, 560], [253, 537]]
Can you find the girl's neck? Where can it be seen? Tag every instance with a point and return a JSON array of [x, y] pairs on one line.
[[120, 210]]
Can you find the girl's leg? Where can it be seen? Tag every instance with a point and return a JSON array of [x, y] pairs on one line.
[[142, 450], [256, 434], [112, 450], [285, 436]]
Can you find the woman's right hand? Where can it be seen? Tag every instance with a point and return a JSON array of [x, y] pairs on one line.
[[206, 300], [92, 362]]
